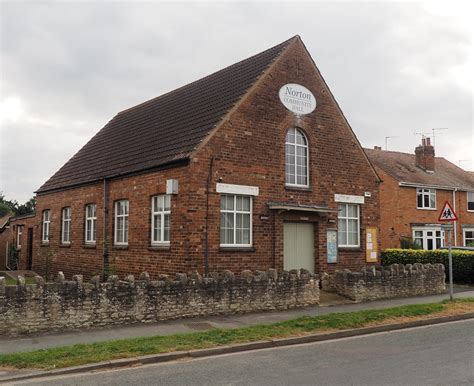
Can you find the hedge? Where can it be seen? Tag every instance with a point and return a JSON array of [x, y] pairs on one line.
[[463, 261]]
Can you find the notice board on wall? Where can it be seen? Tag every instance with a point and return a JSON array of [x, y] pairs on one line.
[[371, 246], [332, 245]]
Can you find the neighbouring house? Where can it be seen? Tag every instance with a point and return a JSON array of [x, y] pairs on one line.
[[16, 237], [414, 190], [251, 167], [5, 239]]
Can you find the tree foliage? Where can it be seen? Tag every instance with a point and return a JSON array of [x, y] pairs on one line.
[[14, 208]]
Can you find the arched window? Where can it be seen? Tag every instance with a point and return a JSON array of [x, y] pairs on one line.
[[296, 160]]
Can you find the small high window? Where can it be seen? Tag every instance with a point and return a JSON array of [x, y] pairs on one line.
[[66, 226], [46, 226], [425, 198], [160, 219], [91, 220], [296, 158], [121, 222], [349, 225]]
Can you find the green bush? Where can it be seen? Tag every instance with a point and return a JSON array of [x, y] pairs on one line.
[[408, 243], [463, 261]]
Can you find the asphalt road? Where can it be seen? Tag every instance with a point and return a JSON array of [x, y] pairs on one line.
[[434, 355]]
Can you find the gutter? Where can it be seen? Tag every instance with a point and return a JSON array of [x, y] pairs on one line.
[[414, 185], [442, 187], [168, 165]]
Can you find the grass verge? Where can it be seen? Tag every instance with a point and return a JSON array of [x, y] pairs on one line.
[[81, 354]]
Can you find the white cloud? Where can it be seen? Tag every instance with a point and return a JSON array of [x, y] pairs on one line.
[[395, 68]]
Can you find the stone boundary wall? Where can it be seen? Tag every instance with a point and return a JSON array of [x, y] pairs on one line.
[[394, 281], [69, 305]]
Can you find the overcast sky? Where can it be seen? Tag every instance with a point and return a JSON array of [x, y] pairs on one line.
[[68, 67]]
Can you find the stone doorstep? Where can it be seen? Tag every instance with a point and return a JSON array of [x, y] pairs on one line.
[[241, 347]]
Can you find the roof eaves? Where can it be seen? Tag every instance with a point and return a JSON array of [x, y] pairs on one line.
[[168, 165]]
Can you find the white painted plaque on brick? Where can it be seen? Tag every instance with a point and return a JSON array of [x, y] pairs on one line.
[[237, 189], [298, 99], [349, 199]]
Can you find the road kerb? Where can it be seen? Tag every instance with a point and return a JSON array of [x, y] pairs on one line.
[[221, 350]]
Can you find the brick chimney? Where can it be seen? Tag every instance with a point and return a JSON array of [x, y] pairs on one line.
[[425, 155], [377, 147]]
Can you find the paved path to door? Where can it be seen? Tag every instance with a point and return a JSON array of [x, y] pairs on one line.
[[36, 342]]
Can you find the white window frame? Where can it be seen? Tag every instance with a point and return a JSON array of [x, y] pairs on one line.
[[19, 232], [464, 238], [90, 221], [347, 218], [425, 236], [161, 215], [426, 192], [235, 211], [66, 222], [46, 226], [125, 218], [468, 200], [295, 145]]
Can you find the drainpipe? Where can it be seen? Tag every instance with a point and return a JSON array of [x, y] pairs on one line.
[[105, 252], [206, 241], [274, 241], [455, 222]]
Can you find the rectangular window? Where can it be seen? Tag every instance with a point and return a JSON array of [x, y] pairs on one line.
[[429, 238], [425, 198], [19, 231], [349, 225], [121, 222], [160, 219], [470, 201], [46, 226], [91, 220], [236, 221], [66, 226], [468, 237]]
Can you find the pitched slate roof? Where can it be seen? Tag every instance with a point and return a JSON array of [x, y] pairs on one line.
[[402, 167], [165, 129]]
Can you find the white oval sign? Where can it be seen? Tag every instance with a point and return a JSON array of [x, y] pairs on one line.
[[297, 98]]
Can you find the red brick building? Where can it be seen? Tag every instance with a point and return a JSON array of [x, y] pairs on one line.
[[5, 239], [414, 190], [218, 174]]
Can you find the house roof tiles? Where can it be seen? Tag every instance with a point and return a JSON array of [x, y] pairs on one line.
[[165, 129], [402, 167]]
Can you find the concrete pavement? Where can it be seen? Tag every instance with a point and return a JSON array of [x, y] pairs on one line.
[[36, 342], [434, 355]]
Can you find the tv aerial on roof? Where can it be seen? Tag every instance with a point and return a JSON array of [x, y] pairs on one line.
[[433, 133], [387, 138]]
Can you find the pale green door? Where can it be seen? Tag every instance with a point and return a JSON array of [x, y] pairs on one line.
[[298, 246]]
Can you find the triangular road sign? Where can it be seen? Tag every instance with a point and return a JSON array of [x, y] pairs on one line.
[[447, 213]]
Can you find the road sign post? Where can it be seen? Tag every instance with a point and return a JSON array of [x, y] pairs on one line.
[[449, 228], [448, 215]]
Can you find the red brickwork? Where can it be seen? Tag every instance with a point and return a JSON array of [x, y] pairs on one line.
[[398, 211], [248, 149]]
